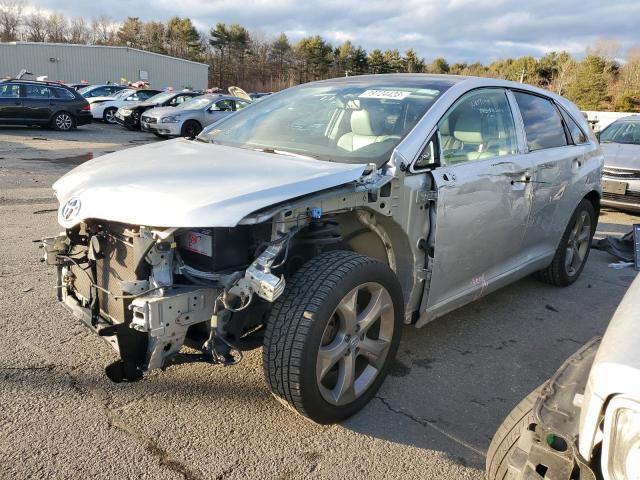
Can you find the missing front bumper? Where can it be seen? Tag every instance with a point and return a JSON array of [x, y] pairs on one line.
[[157, 331]]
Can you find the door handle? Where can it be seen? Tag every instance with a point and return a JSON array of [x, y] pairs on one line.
[[526, 179]]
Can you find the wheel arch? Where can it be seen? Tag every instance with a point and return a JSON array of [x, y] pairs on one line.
[[594, 197], [377, 236]]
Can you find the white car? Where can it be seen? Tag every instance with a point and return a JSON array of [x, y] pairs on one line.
[[584, 423], [105, 108]]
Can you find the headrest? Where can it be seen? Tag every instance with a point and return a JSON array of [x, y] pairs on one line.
[[363, 123], [468, 127]]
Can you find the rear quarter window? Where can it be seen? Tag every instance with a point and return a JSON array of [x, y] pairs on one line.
[[63, 94], [542, 122]]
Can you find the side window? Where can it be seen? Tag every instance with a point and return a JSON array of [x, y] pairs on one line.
[[62, 94], [240, 104], [143, 95], [542, 122], [132, 98], [429, 156], [223, 106], [9, 91], [576, 132], [478, 126], [36, 92]]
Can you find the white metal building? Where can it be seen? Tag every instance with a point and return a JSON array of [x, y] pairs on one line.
[[99, 64]]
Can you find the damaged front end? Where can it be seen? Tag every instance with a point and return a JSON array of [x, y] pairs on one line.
[[149, 291]]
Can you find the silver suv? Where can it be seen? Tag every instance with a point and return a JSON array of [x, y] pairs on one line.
[[319, 221]]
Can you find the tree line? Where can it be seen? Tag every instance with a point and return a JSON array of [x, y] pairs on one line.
[[599, 81]]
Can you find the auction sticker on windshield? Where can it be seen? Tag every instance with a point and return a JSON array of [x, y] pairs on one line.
[[386, 94]]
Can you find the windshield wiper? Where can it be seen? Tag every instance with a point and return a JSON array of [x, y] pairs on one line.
[[283, 152]]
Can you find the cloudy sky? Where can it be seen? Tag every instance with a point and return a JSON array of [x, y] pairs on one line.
[[460, 30]]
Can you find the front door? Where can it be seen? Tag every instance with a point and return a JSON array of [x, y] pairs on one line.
[[11, 109], [483, 203]]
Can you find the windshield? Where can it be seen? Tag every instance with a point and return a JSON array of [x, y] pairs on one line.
[[354, 121], [621, 132], [161, 97], [195, 103], [84, 90], [123, 93]]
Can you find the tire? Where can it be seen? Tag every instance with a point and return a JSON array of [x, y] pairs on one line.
[[309, 325], [576, 240], [506, 437], [190, 129], [109, 115], [63, 121]]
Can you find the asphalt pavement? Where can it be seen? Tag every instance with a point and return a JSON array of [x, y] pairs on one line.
[[452, 384]]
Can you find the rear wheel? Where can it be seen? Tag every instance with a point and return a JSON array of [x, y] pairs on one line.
[[573, 251], [109, 115], [63, 121], [190, 129], [331, 336]]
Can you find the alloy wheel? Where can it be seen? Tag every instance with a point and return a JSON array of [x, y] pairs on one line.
[[110, 115], [355, 344], [63, 121], [578, 243]]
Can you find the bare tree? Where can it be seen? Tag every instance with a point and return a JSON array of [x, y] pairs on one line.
[[35, 27], [79, 31], [57, 28], [11, 16], [104, 30]]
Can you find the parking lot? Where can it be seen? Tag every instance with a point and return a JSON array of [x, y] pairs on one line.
[[452, 384]]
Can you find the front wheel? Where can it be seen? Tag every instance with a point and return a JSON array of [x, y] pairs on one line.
[[190, 129], [332, 335], [573, 251], [505, 440]]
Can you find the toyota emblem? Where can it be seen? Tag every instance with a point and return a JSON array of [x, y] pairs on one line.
[[70, 209]]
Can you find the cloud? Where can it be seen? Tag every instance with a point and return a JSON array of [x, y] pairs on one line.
[[460, 30]]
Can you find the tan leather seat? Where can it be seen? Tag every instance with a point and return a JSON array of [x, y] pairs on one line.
[[366, 130]]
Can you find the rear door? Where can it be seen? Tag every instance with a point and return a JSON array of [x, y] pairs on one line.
[[483, 200], [556, 158], [38, 102], [11, 108]]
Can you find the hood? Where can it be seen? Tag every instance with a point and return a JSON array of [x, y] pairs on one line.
[[182, 183], [99, 99], [158, 112], [144, 104], [621, 155]]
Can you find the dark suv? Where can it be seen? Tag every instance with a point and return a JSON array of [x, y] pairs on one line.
[[29, 102]]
